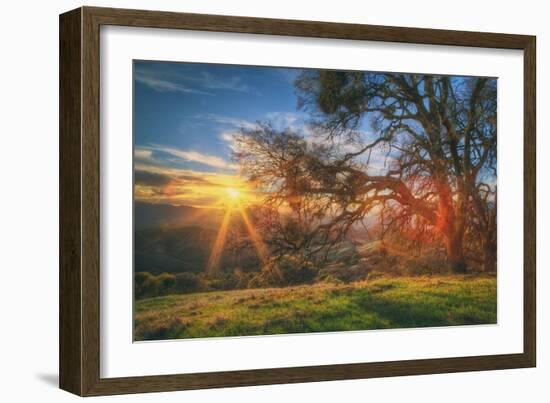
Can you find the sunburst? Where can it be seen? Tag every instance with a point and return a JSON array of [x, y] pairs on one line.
[[235, 200]]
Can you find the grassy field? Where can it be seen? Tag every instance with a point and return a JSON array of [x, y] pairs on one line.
[[375, 304]]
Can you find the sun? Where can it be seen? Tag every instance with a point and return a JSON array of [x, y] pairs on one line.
[[233, 194]]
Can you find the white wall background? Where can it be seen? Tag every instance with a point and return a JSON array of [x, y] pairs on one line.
[[29, 198]]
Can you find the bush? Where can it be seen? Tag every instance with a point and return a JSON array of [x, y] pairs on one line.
[[242, 278], [146, 285], [188, 282], [345, 273], [235, 279], [287, 270], [295, 271], [269, 276], [330, 279], [167, 283], [429, 264]]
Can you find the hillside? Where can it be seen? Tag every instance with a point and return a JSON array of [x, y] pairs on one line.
[[187, 249], [173, 239], [383, 303], [172, 250]]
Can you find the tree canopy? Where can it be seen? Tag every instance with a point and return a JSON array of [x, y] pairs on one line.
[[416, 151]]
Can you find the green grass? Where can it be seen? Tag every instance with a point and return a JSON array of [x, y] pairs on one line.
[[384, 303]]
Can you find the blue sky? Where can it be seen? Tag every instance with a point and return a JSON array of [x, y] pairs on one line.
[[195, 107]]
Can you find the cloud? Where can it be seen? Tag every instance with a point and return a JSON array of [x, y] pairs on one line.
[[230, 126], [158, 184], [159, 84], [294, 121], [288, 74], [196, 156], [164, 78], [279, 120], [210, 81], [236, 123], [228, 137], [287, 120], [143, 155], [194, 179], [186, 176], [145, 178]]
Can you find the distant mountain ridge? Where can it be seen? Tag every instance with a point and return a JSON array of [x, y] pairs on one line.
[[150, 215]]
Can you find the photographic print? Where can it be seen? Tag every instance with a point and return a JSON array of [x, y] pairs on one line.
[[273, 200]]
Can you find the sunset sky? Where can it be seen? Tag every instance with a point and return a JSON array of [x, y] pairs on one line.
[[184, 118]]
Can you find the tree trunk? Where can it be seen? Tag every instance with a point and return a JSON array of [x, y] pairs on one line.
[[489, 260], [489, 243], [451, 222], [455, 252], [489, 246]]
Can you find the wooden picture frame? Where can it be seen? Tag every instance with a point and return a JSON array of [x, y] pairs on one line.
[[80, 184]]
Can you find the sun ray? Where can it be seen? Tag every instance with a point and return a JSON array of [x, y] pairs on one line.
[[254, 236], [217, 248]]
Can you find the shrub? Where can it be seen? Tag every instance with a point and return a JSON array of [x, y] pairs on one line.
[[296, 271], [146, 285], [429, 264], [242, 278], [188, 282], [223, 281], [269, 276], [167, 283], [284, 271], [330, 279], [344, 273]]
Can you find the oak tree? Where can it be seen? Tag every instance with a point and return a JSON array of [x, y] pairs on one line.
[[420, 149]]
